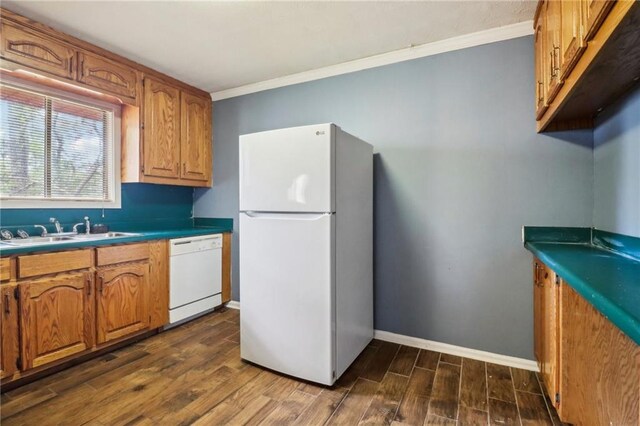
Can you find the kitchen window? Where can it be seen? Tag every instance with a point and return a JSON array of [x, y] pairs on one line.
[[57, 150]]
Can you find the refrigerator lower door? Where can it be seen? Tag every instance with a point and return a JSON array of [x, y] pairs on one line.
[[287, 288]]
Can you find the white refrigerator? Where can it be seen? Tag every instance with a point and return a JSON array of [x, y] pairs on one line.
[[306, 237]]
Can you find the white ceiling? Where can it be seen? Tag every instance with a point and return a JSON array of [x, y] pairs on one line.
[[222, 45]]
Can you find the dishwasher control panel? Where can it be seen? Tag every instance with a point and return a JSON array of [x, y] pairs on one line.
[[195, 244]]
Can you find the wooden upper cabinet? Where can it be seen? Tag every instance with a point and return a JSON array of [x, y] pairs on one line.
[[8, 330], [107, 76], [176, 143], [161, 129], [594, 13], [552, 14], [571, 40], [165, 123], [57, 317], [37, 51], [195, 142], [590, 57], [123, 300], [541, 68]]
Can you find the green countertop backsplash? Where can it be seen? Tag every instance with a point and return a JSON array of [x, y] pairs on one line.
[[602, 267], [139, 202], [155, 211]]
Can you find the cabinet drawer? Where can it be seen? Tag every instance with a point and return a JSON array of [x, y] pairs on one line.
[[120, 254], [37, 51], [5, 269], [52, 263], [107, 75]]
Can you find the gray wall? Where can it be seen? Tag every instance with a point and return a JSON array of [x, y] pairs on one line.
[[617, 167], [459, 169]]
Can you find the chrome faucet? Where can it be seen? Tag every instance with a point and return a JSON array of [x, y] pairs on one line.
[[44, 230], [59, 228], [87, 226]]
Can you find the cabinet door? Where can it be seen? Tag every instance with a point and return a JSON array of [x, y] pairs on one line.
[[195, 141], [601, 367], [158, 283], [541, 67], [8, 330], [571, 40], [538, 312], [552, 14], [161, 129], [57, 318], [594, 12], [123, 301], [37, 51], [107, 76], [550, 330]]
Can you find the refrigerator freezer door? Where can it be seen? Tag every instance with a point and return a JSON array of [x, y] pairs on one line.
[[287, 293], [287, 170]]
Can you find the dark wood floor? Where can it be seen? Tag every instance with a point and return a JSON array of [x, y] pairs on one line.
[[193, 375]]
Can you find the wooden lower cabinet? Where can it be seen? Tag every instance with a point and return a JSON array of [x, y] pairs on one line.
[[56, 307], [9, 343], [226, 266], [600, 367], [538, 302], [546, 329], [57, 317], [590, 369], [122, 300], [158, 283]]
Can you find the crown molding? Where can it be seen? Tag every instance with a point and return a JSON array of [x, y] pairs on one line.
[[492, 35]]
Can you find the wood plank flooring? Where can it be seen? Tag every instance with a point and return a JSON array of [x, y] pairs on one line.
[[193, 374]]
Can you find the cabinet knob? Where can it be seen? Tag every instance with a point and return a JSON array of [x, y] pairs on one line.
[[7, 307]]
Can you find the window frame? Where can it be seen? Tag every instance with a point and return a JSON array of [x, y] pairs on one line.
[[114, 179]]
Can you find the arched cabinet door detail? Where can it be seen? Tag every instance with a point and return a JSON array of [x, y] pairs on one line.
[[123, 300], [57, 318], [38, 51], [107, 76], [161, 129]]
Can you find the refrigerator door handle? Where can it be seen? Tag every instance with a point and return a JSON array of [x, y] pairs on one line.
[[287, 216]]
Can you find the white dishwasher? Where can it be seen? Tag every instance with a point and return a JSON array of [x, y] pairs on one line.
[[195, 276]]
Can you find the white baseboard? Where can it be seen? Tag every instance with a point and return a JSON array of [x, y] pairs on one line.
[[446, 348], [233, 304]]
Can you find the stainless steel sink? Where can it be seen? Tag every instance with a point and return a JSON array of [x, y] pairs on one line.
[[35, 241], [38, 241], [105, 235]]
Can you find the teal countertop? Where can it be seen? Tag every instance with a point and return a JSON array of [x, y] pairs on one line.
[[147, 232], [608, 279]]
